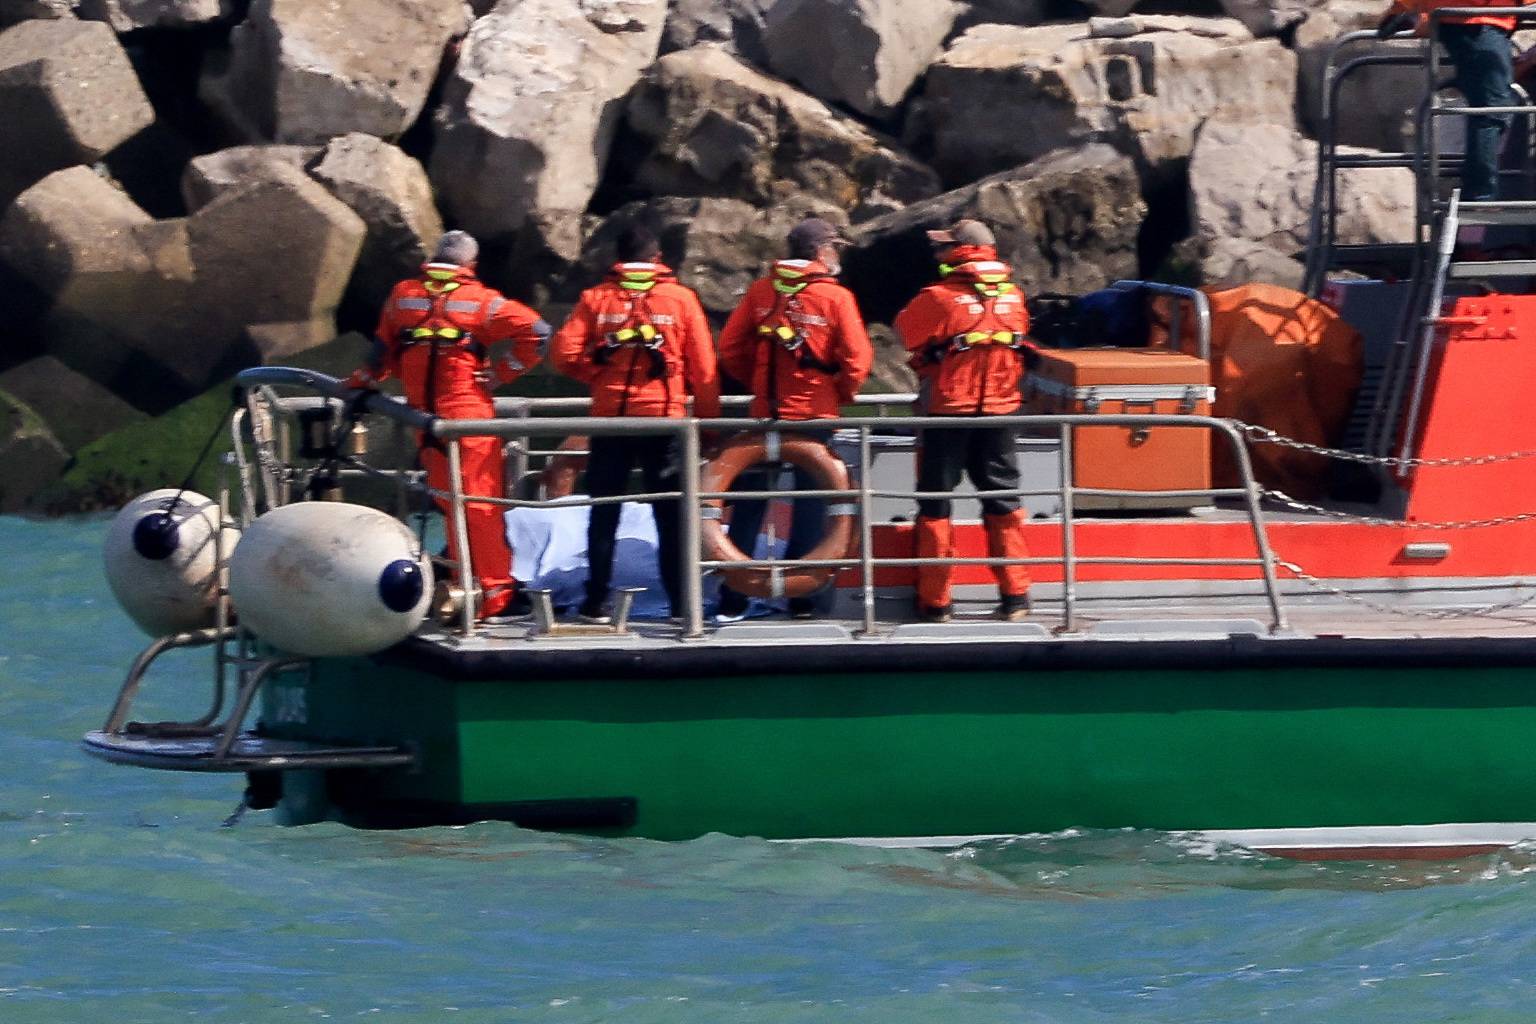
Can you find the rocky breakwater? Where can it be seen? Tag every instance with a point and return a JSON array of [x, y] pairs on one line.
[[190, 187]]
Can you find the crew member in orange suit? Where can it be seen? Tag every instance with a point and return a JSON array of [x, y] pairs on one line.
[[1480, 51], [966, 335], [640, 342], [450, 340], [798, 341]]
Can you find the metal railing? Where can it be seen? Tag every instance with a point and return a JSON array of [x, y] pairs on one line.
[[687, 433]]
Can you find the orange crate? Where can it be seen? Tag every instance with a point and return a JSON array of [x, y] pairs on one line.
[[1120, 380]]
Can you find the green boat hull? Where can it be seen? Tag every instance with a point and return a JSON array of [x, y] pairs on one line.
[[924, 753]]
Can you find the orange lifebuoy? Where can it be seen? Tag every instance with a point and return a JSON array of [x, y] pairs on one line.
[[740, 454]]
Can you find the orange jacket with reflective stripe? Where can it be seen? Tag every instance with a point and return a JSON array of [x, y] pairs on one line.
[[801, 347], [474, 329], [633, 371], [963, 377], [1422, 8]]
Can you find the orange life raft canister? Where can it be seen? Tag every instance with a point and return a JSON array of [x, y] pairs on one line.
[[743, 452]]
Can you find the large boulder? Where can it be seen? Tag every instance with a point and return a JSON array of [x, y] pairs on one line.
[[1001, 12], [279, 252], [1269, 17], [1002, 95], [117, 279], [131, 15], [14, 11], [389, 190], [708, 125], [1067, 222], [1252, 185], [69, 95], [303, 71], [76, 409], [864, 54], [717, 246], [1376, 103], [529, 113], [32, 457], [737, 25], [212, 175]]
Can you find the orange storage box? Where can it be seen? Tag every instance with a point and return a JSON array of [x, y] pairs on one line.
[[1129, 380]]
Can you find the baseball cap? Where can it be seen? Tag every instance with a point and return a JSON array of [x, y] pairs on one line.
[[963, 232], [811, 234]]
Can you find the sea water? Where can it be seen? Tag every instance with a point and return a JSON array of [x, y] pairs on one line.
[[125, 900]]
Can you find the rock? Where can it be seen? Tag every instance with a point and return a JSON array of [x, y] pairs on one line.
[[1229, 262], [302, 71], [14, 11], [1110, 8], [118, 281], [737, 25], [390, 192], [1268, 17], [32, 457], [212, 175], [69, 96], [711, 126], [1376, 103], [529, 113], [717, 246], [277, 252], [1001, 12], [75, 409], [131, 15], [1067, 222], [864, 54], [1002, 95], [890, 371], [1253, 184], [278, 343]]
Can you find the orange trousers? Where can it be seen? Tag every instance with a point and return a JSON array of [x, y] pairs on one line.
[[480, 462], [936, 539]]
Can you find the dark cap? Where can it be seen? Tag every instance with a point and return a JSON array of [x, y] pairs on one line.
[[635, 243], [811, 234], [964, 232]]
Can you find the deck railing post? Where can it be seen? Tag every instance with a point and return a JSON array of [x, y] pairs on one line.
[[1068, 533], [866, 533], [461, 536], [692, 543], [1256, 521]]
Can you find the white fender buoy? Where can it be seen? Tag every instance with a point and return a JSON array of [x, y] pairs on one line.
[[329, 579], [162, 562]]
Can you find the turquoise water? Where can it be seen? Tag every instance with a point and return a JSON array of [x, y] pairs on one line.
[[123, 900]]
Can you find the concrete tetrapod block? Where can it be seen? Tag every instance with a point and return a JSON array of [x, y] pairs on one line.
[[75, 409], [69, 96], [864, 54], [529, 113], [389, 190], [212, 175], [1067, 222], [713, 126], [32, 457], [14, 11], [278, 251], [1002, 95], [131, 15], [119, 282], [303, 71]]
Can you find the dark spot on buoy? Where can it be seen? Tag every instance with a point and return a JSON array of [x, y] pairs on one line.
[[155, 536], [401, 585]]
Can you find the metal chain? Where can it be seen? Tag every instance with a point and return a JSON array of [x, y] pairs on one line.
[[1264, 435], [1483, 611], [1464, 524]]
